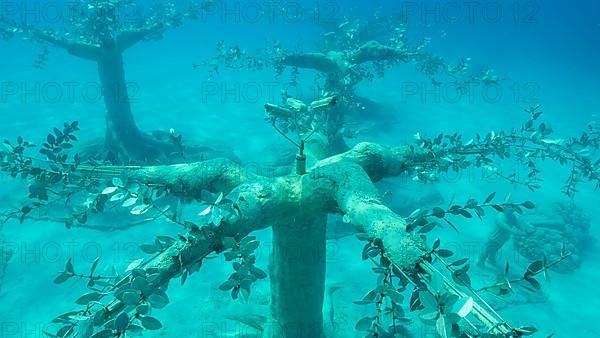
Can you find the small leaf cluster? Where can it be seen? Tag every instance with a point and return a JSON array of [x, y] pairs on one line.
[[138, 198], [55, 167], [386, 297], [439, 309], [138, 292], [94, 280], [419, 219], [166, 243], [58, 141], [530, 145], [504, 285], [246, 273]]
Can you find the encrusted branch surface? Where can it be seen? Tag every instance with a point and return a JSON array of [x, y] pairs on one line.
[[338, 61]]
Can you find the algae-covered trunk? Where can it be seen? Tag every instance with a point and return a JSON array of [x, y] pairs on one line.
[[297, 271], [122, 134]]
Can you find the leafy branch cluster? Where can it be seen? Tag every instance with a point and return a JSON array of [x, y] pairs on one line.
[[385, 296], [246, 273], [213, 212], [435, 305], [445, 304], [459, 273], [419, 219], [139, 199], [449, 309], [236, 58], [82, 188], [74, 184], [459, 268], [392, 32], [528, 146], [504, 285], [137, 290], [167, 244], [131, 298], [90, 188], [142, 288], [93, 280], [97, 22], [43, 173]]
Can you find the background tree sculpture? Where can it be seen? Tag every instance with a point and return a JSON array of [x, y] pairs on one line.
[[101, 31], [350, 53]]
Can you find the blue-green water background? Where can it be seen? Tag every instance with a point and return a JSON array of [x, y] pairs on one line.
[[558, 54]]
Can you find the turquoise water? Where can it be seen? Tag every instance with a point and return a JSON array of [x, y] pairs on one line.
[[547, 52]]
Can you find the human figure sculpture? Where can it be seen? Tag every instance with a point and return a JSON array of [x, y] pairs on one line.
[[507, 225]]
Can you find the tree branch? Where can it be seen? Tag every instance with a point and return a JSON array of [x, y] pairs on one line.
[[318, 61], [79, 49], [338, 61], [127, 38], [223, 175], [375, 51]]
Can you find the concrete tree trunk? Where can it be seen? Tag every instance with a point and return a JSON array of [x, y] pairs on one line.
[[122, 134], [297, 272]]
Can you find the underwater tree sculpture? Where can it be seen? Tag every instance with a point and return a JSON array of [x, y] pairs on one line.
[[294, 207], [101, 31], [351, 52]]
